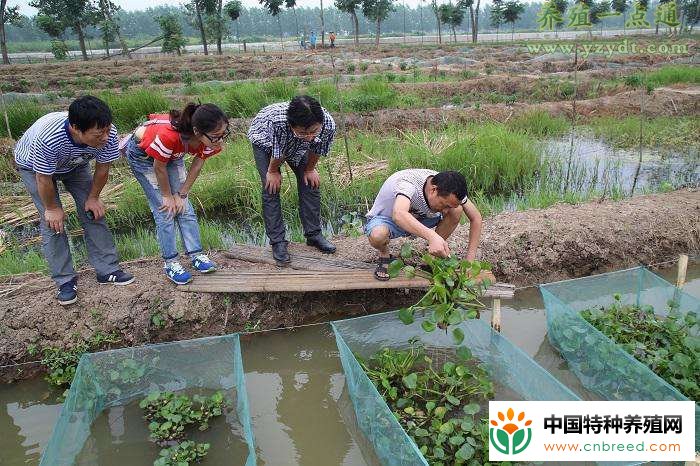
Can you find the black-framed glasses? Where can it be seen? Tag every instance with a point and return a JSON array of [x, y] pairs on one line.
[[215, 139]]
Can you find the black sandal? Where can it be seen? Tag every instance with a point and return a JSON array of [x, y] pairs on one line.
[[381, 273]]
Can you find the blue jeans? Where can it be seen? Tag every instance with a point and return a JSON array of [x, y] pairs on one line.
[[395, 230], [142, 167]]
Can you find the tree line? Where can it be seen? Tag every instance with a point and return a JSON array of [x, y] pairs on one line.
[[216, 21]]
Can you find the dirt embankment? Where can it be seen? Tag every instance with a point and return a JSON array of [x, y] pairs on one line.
[[525, 247], [675, 100]]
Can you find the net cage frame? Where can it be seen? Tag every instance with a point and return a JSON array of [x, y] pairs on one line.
[[507, 365], [209, 363], [601, 364]]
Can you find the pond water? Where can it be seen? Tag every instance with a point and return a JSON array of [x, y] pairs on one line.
[[300, 412]]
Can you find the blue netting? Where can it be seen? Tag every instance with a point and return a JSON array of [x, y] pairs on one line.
[[101, 382], [507, 365], [603, 366]]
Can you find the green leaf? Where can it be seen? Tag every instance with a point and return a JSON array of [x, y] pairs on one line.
[[421, 432], [430, 405], [402, 403], [409, 271], [464, 353], [453, 399], [465, 452], [406, 251], [410, 380], [406, 316], [472, 408], [394, 268], [438, 452], [456, 440], [440, 412], [458, 336], [447, 428], [428, 326]]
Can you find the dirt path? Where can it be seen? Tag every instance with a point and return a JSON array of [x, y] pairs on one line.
[[525, 247]]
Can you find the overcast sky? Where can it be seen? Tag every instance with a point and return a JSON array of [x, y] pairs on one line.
[[143, 4]]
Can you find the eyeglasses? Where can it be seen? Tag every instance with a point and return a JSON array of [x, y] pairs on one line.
[[303, 134], [215, 139]]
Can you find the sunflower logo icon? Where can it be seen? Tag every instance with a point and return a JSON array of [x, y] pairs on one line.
[[508, 435]]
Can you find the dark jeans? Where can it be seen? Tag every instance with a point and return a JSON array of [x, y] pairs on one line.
[[102, 252], [309, 200]]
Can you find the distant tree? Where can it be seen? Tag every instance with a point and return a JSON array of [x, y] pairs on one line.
[[690, 14], [75, 14], [511, 13], [109, 27], [8, 15], [452, 16], [473, 16], [292, 4], [233, 10], [377, 11], [274, 7], [171, 30], [496, 15], [597, 9], [436, 11], [350, 7], [199, 9]]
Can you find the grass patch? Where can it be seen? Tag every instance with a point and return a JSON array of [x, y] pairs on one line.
[[672, 74], [21, 115], [131, 108], [539, 123], [246, 99], [14, 261], [678, 132]]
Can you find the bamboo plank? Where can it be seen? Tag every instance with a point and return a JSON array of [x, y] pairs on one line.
[[257, 254]]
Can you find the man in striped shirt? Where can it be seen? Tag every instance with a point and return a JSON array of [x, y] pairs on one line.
[[59, 147], [298, 132]]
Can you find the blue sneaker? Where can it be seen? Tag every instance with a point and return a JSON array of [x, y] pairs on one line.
[[176, 273], [203, 264], [115, 278], [68, 293]]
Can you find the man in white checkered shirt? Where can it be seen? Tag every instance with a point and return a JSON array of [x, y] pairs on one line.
[[298, 132]]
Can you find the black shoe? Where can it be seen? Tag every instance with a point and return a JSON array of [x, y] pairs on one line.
[[279, 252], [321, 243], [68, 293], [115, 278]]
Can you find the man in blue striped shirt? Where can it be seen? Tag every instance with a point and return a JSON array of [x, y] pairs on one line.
[[298, 132], [59, 147]]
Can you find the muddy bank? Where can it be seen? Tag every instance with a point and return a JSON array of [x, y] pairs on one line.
[[525, 247]]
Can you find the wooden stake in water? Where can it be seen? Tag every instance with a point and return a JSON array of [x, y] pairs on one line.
[[496, 315], [682, 270], [641, 133]]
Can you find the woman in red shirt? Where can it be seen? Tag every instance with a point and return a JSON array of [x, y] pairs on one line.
[[156, 154]]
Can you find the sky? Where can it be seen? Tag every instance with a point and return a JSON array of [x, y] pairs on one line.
[[130, 5]]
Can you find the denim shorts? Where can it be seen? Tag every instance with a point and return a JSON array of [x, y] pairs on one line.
[[395, 230]]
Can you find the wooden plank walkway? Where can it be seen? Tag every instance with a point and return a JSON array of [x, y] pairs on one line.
[[309, 273], [233, 281]]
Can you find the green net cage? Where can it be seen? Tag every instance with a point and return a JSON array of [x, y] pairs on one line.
[[517, 375], [122, 377], [602, 365]]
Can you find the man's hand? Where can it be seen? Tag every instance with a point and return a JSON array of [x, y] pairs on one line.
[[273, 182], [172, 205], [312, 179], [54, 218], [437, 246], [96, 206]]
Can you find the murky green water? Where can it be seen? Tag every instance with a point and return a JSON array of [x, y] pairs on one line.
[[300, 413]]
